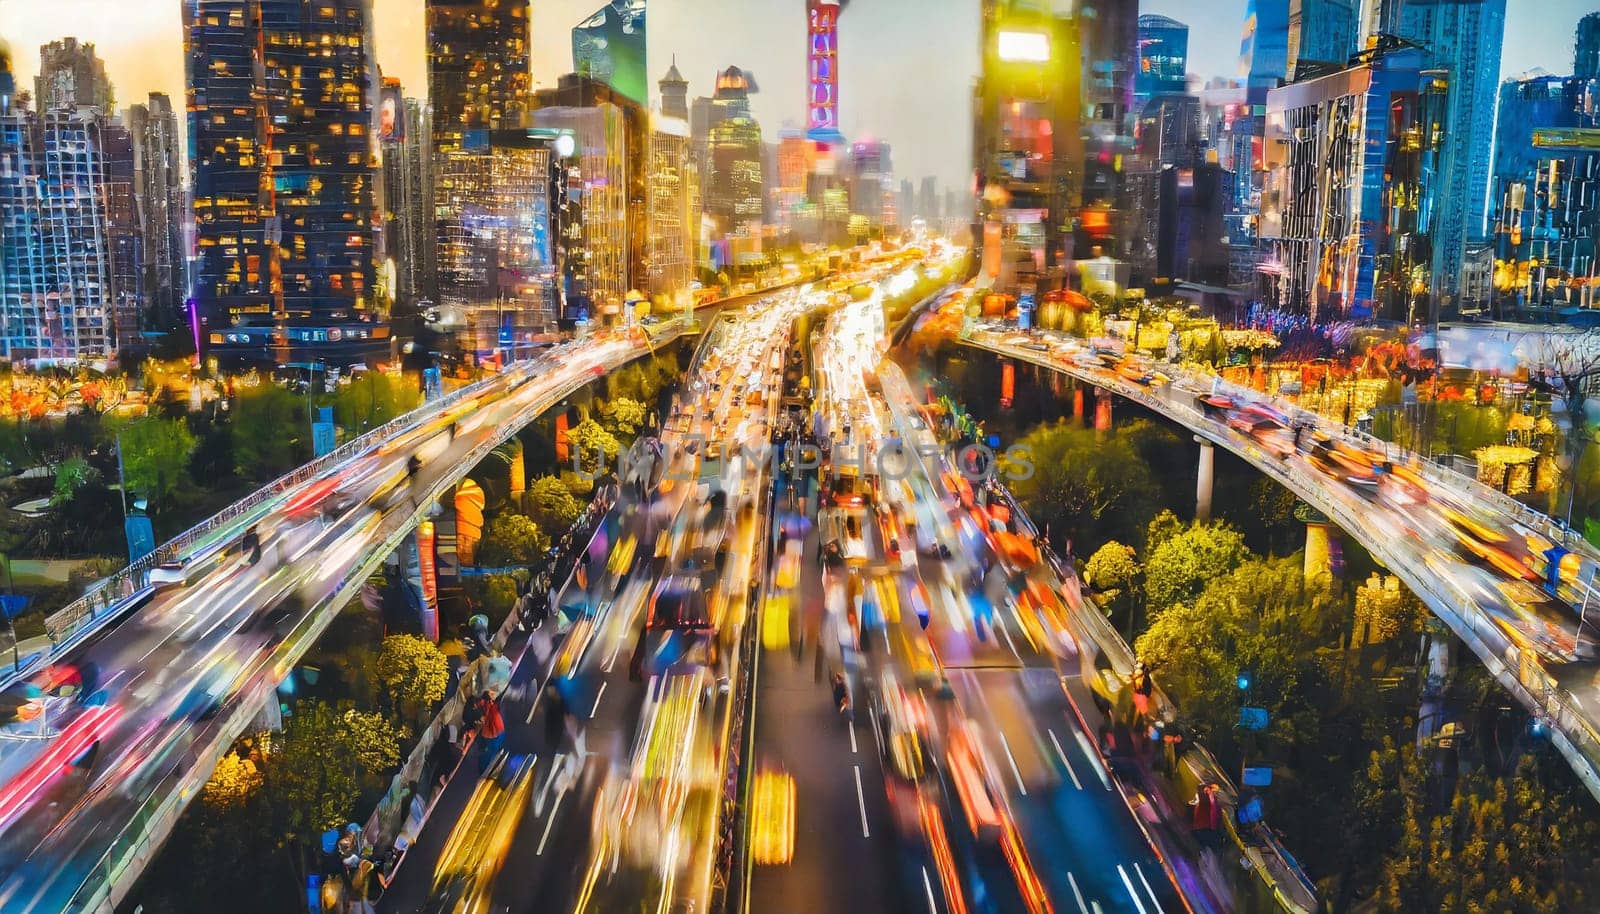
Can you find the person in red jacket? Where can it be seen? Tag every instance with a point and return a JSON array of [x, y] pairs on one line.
[[491, 731]]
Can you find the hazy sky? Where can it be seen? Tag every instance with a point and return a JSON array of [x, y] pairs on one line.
[[906, 65]]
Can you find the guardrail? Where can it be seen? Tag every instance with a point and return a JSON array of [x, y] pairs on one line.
[[106, 881], [1524, 677]]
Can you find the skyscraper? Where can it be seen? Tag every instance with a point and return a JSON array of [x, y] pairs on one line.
[[408, 163], [609, 46], [1322, 36], [1586, 47], [72, 76], [478, 66], [163, 214], [1462, 38], [1163, 57], [734, 189], [124, 241], [674, 94], [1027, 146], [1108, 37], [1264, 45], [672, 220], [284, 180], [57, 296]]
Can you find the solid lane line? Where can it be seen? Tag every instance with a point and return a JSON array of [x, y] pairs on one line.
[[1076, 892], [1063, 756], [1006, 744], [1140, 873], [1094, 758], [1131, 893], [550, 823], [853, 749], [597, 696], [927, 885], [861, 804]]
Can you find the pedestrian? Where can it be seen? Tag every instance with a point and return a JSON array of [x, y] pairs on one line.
[[492, 731], [841, 694], [555, 717], [471, 714], [1143, 686], [582, 573]]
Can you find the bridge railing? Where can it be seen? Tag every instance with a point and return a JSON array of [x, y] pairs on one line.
[[1574, 732], [107, 596]]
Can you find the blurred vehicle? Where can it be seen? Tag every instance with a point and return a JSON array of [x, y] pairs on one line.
[[901, 724], [967, 776], [75, 743]]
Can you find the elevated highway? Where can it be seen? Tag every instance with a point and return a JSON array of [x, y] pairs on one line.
[[179, 652], [1510, 582]]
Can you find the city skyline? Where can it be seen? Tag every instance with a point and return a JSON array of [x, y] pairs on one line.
[[142, 47]]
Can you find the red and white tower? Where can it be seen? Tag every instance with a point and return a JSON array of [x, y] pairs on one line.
[[822, 71]]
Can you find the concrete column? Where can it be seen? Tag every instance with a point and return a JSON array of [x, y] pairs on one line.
[[1102, 410], [1319, 555], [1203, 480], [1077, 403]]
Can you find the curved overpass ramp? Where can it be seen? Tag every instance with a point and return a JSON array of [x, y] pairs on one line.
[[1409, 542], [179, 668]]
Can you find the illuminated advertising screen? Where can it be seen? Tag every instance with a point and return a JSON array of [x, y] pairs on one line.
[[391, 115]]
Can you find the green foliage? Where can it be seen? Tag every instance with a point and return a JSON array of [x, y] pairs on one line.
[[551, 504], [594, 445], [72, 474], [1095, 489], [270, 432], [373, 398], [623, 416], [1179, 568], [1113, 571], [499, 594], [413, 671], [314, 780], [1162, 527], [233, 782], [155, 457], [1499, 844], [511, 539], [581, 487]]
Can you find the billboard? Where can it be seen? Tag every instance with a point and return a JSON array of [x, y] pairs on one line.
[[391, 115]]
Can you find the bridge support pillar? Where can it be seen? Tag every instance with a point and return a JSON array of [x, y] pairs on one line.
[[1077, 403], [1319, 553], [1203, 480], [1102, 410]]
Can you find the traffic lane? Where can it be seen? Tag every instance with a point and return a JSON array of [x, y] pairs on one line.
[[846, 854], [1061, 795]]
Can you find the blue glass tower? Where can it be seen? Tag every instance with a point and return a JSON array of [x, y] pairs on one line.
[[1163, 57]]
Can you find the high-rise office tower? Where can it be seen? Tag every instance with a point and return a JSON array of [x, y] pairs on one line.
[[1027, 147], [609, 46], [1461, 38], [478, 66], [57, 294], [1264, 45], [611, 132], [284, 180], [404, 142], [1586, 47], [1108, 38], [672, 220], [734, 188], [871, 166], [928, 201], [72, 76], [1322, 36], [124, 238], [1163, 57], [163, 215], [674, 94], [1348, 197]]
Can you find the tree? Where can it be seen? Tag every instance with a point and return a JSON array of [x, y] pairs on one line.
[[1570, 366], [1162, 527], [233, 782], [1179, 568], [1113, 571], [373, 742], [414, 673], [72, 474], [155, 457], [373, 398], [1081, 486], [511, 539], [595, 447], [312, 778], [622, 416], [269, 432], [551, 504]]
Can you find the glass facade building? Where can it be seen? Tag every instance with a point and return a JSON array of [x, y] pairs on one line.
[[1163, 57], [478, 66], [281, 96], [609, 46]]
